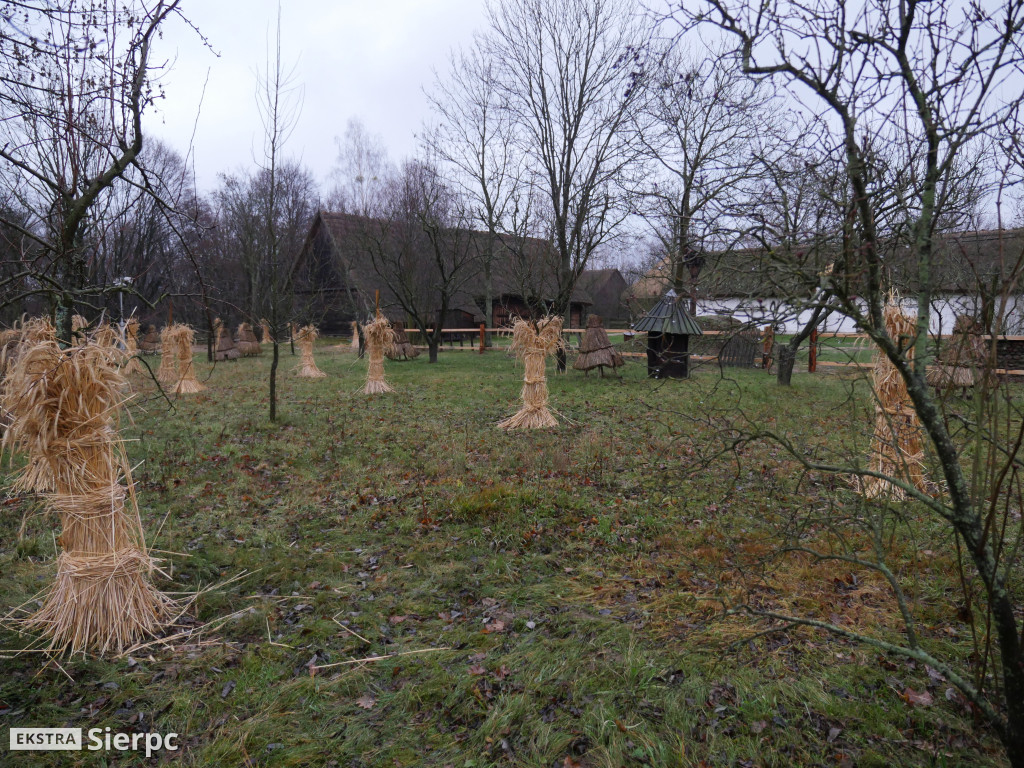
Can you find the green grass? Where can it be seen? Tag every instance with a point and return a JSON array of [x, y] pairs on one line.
[[562, 584]]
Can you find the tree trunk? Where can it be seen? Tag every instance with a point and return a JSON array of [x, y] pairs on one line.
[[488, 303], [273, 383], [787, 359], [560, 359], [432, 346]]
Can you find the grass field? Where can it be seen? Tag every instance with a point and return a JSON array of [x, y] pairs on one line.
[[544, 599]]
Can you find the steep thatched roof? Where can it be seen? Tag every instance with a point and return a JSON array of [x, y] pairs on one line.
[[669, 316]]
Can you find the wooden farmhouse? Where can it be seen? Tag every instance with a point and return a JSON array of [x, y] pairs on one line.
[[346, 259]]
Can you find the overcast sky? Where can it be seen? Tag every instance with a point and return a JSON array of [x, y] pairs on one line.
[[353, 58]]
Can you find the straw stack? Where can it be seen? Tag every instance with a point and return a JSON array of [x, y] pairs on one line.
[[64, 406], [248, 346], [533, 342], [267, 337], [167, 373], [131, 348], [596, 350], [78, 326], [351, 345], [380, 339], [225, 349], [150, 341], [307, 368], [182, 336], [402, 348], [896, 446], [962, 357]]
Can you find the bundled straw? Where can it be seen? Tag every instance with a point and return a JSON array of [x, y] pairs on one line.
[[182, 336], [380, 339], [533, 343], [596, 349], [64, 406], [355, 336], [266, 336], [226, 349], [402, 348], [896, 447], [962, 358], [78, 326], [131, 348], [151, 341], [307, 368], [248, 346], [167, 373]]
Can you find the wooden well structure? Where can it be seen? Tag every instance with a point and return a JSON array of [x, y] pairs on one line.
[[668, 326]]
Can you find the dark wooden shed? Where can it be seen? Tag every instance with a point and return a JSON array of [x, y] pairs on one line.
[[669, 327]]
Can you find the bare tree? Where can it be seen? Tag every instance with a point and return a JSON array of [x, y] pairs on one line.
[[567, 72], [360, 171], [77, 78], [907, 92]]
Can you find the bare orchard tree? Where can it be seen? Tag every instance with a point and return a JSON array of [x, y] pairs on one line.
[[76, 80], [705, 130], [930, 83], [475, 135], [568, 73], [421, 247]]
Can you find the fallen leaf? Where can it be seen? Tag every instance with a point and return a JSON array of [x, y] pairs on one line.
[[397, 619], [494, 626], [366, 702], [833, 734], [477, 669], [758, 725], [915, 698]]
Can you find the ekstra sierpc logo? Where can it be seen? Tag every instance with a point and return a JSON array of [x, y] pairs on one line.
[[51, 739]]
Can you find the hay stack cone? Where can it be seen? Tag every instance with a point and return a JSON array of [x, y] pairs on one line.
[[307, 368], [896, 446], [64, 405], [150, 342], [131, 348], [533, 343], [380, 339], [402, 349], [225, 349], [266, 336], [354, 344], [248, 346], [167, 373], [962, 358], [188, 384], [596, 350], [78, 326]]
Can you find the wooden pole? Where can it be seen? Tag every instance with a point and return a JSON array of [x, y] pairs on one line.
[[812, 356], [377, 302], [483, 336]]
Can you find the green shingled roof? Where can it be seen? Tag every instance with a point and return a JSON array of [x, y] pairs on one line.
[[668, 316]]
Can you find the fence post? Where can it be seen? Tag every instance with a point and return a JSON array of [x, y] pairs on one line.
[[812, 356], [483, 337]]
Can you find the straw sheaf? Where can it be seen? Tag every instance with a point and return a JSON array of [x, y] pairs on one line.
[[248, 345], [131, 348], [896, 444], [533, 343], [307, 367], [380, 341], [64, 407], [183, 336], [226, 349], [167, 373], [596, 349], [266, 335]]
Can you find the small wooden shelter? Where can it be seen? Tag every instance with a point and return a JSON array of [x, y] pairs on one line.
[[226, 349], [669, 327], [247, 344], [150, 342]]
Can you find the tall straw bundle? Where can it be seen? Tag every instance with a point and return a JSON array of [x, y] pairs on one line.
[[150, 342], [131, 348], [266, 337], [962, 358], [182, 336], [167, 373], [380, 339], [402, 348], [248, 346], [896, 447], [225, 349], [354, 344], [596, 350], [78, 326], [533, 343], [306, 368], [64, 405]]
